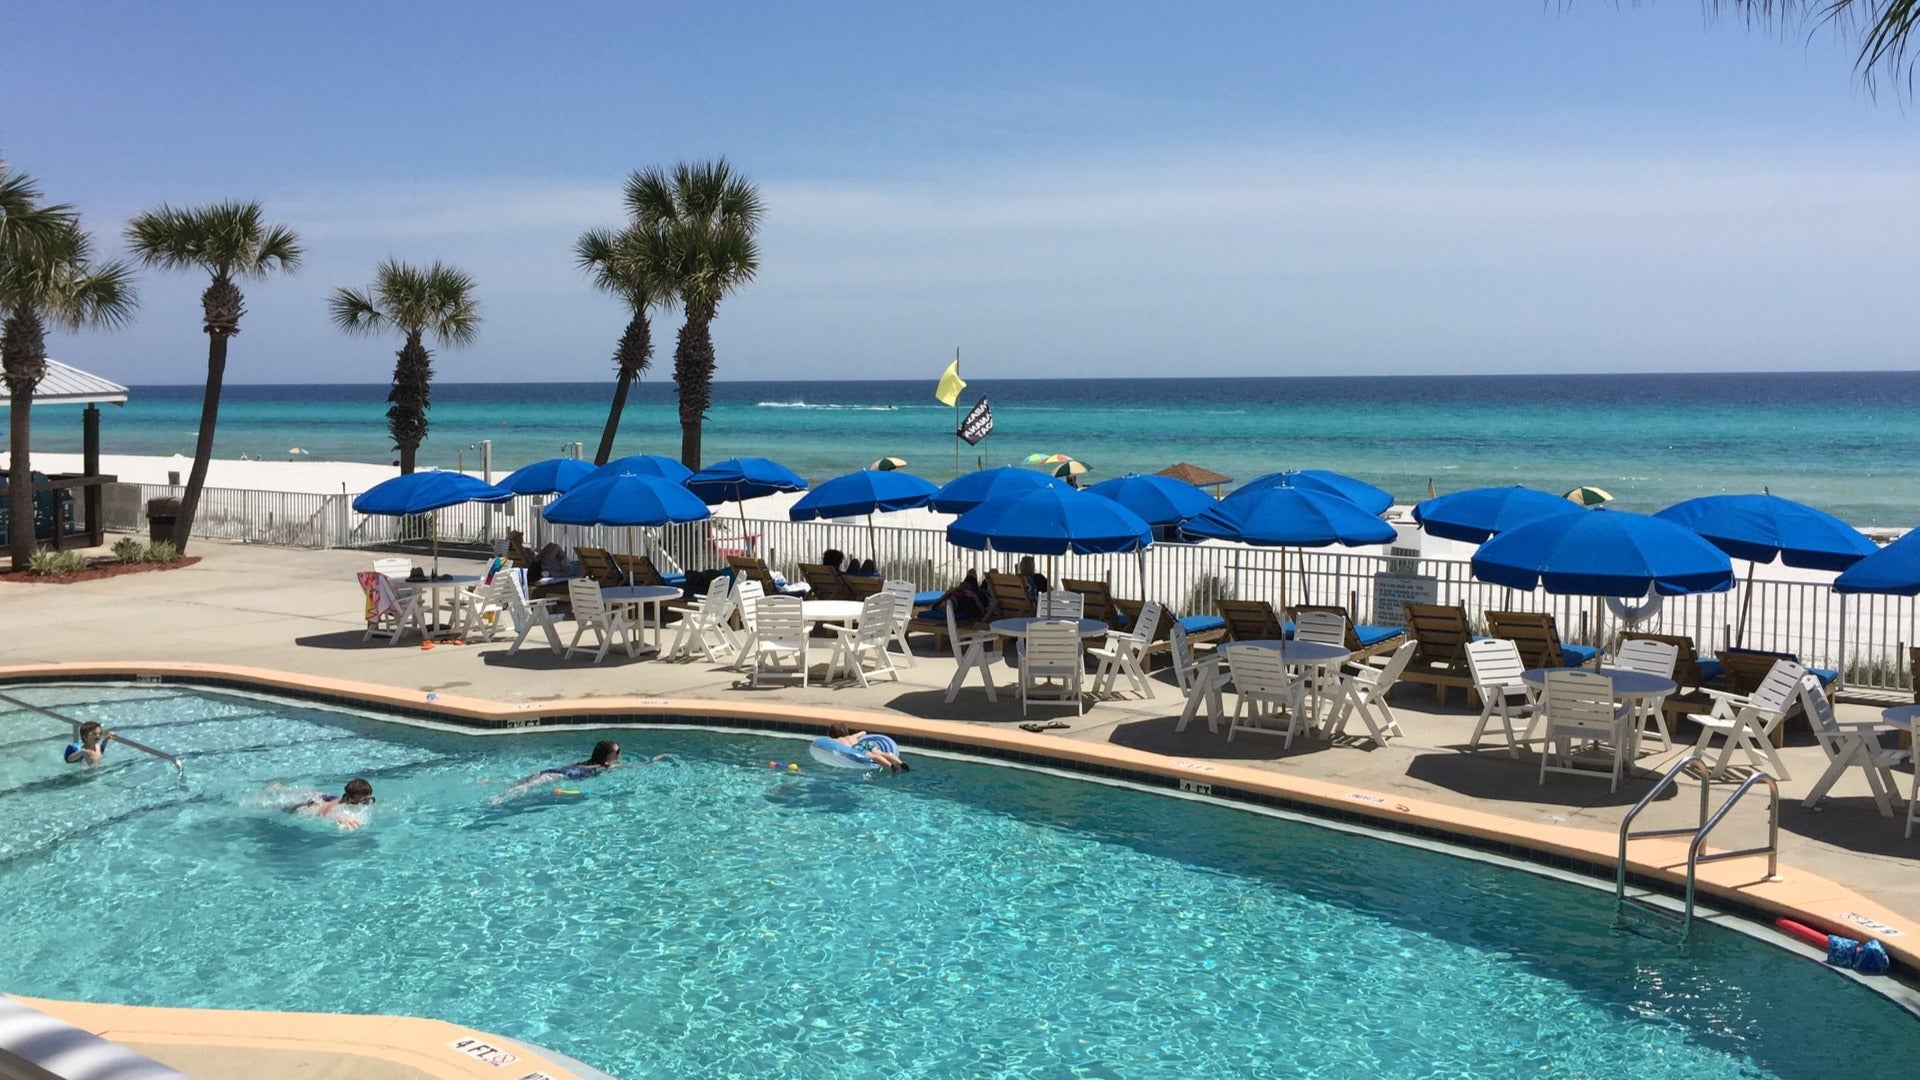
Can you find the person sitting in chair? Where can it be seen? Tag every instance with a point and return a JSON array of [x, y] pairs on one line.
[[969, 599]]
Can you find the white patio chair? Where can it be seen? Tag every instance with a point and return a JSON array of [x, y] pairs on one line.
[[592, 614], [779, 637], [747, 595], [1125, 653], [1202, 679], [1364, 690], [391, 609], [1051, 664], [1321, 628], [903, 593], [707, 624], [854, 645], [399, 569], [1848, 746], [971, 652], [1061, 604], [1496, 667], [528, 615], [479, 611], [1657, 658], [1578, 711], [1747, 723], [1265, 692]]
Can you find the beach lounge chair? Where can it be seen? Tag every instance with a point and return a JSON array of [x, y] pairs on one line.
[[779, 637], [1539, 639], [597, 565], [1097, 601], [856, 645], [1362, 640], [1747, 722], [391, 608], [1579, 718], [1051, 667], [1251, 620], [1010, 597], [970, 653], [826, 582], [1363, 692], [1496, 666], [606, 622], [1849, 746], [1125, 653], [1266, 693], [754, 568], [639, 570], [1440, 633], [1649, 657]]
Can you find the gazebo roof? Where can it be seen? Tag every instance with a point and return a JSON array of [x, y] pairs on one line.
[[1195, 475], [68, 385]]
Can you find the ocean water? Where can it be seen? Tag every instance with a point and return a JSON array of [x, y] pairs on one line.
[[1846, 442], [704, 915]]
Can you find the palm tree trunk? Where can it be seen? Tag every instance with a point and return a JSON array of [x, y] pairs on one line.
[[412, 385], [203, 445], [693, 375], [630, 359], [23, 350]]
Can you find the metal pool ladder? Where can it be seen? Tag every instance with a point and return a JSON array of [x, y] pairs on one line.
[[1623, 903]]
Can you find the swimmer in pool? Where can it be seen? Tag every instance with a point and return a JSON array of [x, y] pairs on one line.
[[91, 747], [606, 755], [846, 734], [358, 792]]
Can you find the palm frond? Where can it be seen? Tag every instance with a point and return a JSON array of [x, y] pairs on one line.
[[354, 312], [226, 239], [93, 296], [24, 221], [650, 197], [437, 299], [1884, 27]]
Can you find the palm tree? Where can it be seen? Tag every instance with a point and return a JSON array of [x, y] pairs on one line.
[[619, 264], [47, 276], [228, 241], [1884, 26], [437, 300], [697, 225]]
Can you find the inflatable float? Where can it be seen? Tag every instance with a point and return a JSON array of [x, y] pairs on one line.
[[841, 756]]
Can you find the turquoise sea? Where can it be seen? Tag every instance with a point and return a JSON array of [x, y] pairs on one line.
[[1844, 441]]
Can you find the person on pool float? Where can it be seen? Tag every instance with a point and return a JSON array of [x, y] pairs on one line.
[[91, 747], [358, 792], [849, 736]]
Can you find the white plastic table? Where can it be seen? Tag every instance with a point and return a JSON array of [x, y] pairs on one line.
[[1635, 688], [840, 612], [644, 597], [435, 629]]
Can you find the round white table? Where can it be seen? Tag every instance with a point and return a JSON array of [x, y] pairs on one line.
[[1017, 628], [1635, 688], [1313, 654], [843, 612], [1901, 716], [433, 586], [644, 597]]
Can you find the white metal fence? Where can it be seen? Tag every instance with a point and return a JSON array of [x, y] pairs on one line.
[[1867, 637]]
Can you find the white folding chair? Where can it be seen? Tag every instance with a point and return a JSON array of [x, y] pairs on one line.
[[1496, 668], [779, 637], [1051, 664], [479, 611], [854, 645], [1364, 691], [1848, 746], [1061, 604], [528, 615], [903, 593], [1747, 723], [1649, 658], [707, 624], [1125, 653], [970, 653], [592, 614], [747, 595], [1321, 628], [1202, 680], [1265, 692], [391, 609], [1579, 717]]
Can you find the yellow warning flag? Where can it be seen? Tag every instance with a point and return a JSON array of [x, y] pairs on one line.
[[950, 386]]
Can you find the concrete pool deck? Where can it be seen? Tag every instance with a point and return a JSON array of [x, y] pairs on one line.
[[295, 617]]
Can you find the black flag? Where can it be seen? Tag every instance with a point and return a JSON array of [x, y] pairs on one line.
[[978, 424]]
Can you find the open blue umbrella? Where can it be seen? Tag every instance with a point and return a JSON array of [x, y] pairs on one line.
[[1051, 520], [1604, 553], [423, 493], [1476, 514], [1762, 528], [1358, 492], [1282, 516], [547, 477], [665, 468], [964, 493], [736, 479], [865, 492], [1159, 500], [627, 500], [1893, 570]]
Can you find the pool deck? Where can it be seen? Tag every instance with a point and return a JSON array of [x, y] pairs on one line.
[[293, 619]]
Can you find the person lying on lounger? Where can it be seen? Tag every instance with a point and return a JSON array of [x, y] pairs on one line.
[[850, 736]]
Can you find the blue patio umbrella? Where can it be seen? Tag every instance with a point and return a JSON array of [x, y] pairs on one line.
[[628, 501], [423, 493], [665, 468], [964, 493], [1604, 553], [1159, 500], [1051, 520], [547, 477], [1477, 514], [736, 479], [1283, 516], [1762, 528], [1358, 492], [1893, 570], [865, 492]]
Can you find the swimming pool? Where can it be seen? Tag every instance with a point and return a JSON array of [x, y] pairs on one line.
[[707, 915]]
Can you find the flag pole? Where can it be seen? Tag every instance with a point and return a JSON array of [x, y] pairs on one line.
[[956, 418]]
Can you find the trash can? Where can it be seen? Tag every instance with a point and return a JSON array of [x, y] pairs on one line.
[[161, 513]]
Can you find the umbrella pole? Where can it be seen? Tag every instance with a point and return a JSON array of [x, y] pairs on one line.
[[873, 541], [1746, 601], [436, 543]]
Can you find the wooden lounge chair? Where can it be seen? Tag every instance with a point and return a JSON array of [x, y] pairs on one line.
[[596, 564], [1251, 620], [639, 570], [825, 582], [1010, 597], [1539, 639], [1440, 633], [1100, 603], [1362, 641]]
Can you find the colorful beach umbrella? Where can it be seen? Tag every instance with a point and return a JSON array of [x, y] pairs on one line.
[[1069, 469], [888, 464], [547, 477], [1053, 520], [1373, 500], [1474, 515], [1159, 500], [1893, 570], [1587, 495], [665, 468], [1604, 553], [966, 492]]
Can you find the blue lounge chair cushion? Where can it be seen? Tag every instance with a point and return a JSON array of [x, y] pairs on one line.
[[927, 599], [1577, 655], [1709, 671], [1369, 636], [675, 579], [1826, 675], [1201, 624]]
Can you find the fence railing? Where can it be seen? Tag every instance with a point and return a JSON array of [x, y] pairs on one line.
[[1866, 637]]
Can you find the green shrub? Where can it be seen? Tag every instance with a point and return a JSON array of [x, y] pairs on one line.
[[129, 550], [161, 551], [48, 563]]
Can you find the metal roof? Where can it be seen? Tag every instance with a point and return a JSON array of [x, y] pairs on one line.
[[66, 385]]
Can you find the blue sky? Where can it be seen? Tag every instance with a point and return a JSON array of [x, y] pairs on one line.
[[1057, 189]]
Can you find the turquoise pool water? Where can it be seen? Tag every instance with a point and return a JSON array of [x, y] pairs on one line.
[[706, 916]]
